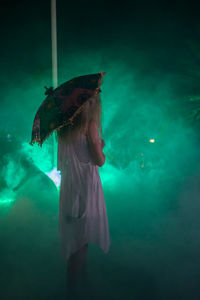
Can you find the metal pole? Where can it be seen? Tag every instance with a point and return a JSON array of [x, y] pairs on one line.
[[54, 44], [54, 65]]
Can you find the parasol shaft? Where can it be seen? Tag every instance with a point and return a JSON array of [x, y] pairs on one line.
[[54, 67]]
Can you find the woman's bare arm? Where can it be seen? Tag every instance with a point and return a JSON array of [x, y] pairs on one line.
[[95, 144]]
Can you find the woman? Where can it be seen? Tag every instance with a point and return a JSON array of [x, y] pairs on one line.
[[82, 210]]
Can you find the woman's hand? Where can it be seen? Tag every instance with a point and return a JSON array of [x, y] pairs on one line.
[[102, 143]]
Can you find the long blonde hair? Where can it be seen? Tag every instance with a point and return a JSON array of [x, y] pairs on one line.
[[92, 111]]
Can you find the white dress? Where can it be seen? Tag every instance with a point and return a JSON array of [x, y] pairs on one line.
[[82, 210]]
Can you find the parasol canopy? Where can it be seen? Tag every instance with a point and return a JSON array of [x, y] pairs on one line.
[[62, 104]]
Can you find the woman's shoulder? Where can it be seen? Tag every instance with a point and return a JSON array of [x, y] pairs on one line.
[[92, 125]]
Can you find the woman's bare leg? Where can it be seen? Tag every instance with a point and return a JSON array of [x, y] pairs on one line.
[[77, 263]]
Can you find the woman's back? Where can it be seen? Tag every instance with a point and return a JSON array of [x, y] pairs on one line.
[[87, 146], [82, 213]]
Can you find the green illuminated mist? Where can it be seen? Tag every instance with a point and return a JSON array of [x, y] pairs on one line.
[[150, 95], [131, 117]]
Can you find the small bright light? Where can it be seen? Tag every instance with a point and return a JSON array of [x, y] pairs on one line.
[[55, 176], [9, 137], [152, 141]]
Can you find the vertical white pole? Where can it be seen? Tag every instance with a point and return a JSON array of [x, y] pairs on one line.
[[54, 65], [54, 44]]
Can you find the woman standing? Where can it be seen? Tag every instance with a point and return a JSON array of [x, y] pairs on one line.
[[82, 210]]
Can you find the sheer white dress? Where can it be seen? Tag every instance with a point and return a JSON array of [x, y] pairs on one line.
[[82, 210]]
